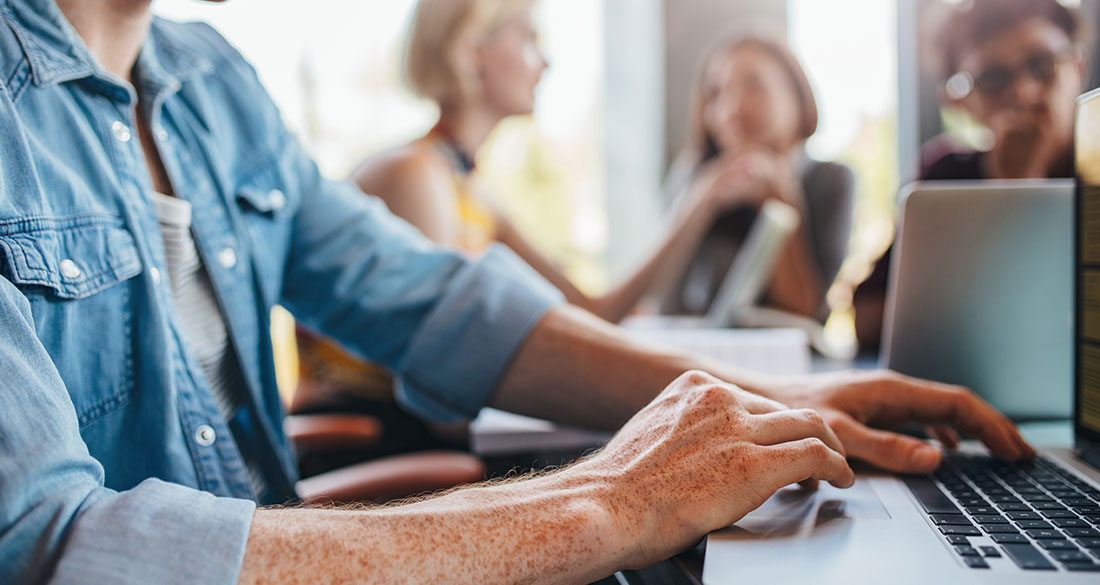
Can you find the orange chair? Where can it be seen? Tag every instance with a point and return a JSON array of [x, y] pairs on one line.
[[378, 480]]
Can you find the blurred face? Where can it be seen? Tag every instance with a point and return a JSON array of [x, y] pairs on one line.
[[750, 102], [1025, 82], [510, 65]]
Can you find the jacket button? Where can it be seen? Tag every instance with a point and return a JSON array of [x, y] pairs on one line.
[[155, 274], [69, 269], [205, 435], [121, 131], [227, 258], [277, 199]]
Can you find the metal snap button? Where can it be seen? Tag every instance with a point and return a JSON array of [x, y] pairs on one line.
[[69, 269], [121, 131], [205, 435], [277, 199], [155, 274], [161, 133], [227, 258]]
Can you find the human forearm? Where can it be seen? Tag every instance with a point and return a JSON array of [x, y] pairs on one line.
[[797, 285], [577, 369], [551, 529], [691, 219]]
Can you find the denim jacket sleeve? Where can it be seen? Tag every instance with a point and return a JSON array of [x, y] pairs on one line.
[[58, 523], [447, 325]]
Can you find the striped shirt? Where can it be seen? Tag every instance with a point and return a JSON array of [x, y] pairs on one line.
[[201, 318]]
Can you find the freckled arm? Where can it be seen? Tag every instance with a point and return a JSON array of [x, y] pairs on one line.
[[550, 529]]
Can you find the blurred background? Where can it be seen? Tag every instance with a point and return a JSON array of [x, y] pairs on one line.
[[583, 176]]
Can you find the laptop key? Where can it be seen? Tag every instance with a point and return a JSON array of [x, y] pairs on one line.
[[1027, 557], [990, 551], [1005, 499], [966, 550], [1051, 505], [980, 510], [1023, 515], [990, 519], [1009, 538], [1069, 523], [975, 562], [1089, 566], [950, 520], [1044, 533], [1081, 532], [999, 528], [931, 498], [963, 530], [1014, 507], [1070, 556], [1057, 544], [1033, 524], [1089, 542], [958, 539], [1058, 514]]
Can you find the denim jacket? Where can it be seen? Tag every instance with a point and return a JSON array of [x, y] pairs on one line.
[[115, 464]]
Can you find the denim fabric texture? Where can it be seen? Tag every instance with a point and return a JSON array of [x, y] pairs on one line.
[[108, 473]]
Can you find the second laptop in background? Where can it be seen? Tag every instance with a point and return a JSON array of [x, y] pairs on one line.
[[981, 293]]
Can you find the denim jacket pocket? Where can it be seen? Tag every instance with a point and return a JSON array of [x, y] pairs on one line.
[[268, 210], [74, 258], [70, 269], [273, 203]]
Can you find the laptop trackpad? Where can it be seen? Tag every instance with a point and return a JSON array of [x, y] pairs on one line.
[[794, 509]]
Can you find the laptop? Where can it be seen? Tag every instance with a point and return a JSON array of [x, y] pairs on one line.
[[980, 292], [975, 520], [752, 267], [735, 301]]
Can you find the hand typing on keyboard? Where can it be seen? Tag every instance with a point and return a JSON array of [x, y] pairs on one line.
[[702, 455], [859, 405]]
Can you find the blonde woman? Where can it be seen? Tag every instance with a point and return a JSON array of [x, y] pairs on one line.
[[479, 60], [752, 111]]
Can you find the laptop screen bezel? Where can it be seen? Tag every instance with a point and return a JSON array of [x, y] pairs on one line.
[[1086, 442]]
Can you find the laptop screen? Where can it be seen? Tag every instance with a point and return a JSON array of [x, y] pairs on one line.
[[1087, 369]]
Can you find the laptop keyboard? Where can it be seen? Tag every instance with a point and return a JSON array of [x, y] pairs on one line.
[[1038, 515]]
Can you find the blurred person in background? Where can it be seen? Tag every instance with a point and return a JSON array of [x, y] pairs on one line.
[[1016, 68], [480, 62], [751, 113]]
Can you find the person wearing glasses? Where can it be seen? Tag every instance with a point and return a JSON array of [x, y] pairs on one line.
[[1015, 67]]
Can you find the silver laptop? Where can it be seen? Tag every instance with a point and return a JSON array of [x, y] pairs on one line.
[[974, 520], [752, 267], [980, 291]]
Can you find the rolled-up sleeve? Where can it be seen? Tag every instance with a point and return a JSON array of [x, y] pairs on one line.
[[447, 325], [466, 342], [58, 524]]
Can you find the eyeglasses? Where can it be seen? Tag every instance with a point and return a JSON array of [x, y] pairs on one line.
[[995, 81]]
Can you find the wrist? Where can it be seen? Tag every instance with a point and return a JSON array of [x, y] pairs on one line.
[[595, 498]]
